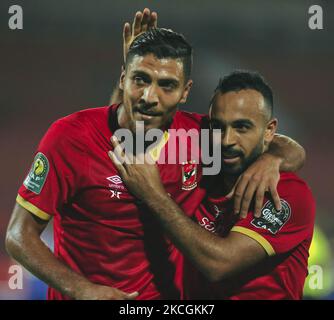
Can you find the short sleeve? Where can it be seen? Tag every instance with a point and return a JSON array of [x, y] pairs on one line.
[[280, 232], [56, 171]]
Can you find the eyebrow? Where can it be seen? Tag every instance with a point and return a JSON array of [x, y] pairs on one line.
[[167, 81], [243, 122], [236, 122], [162, 81], [141, 74]]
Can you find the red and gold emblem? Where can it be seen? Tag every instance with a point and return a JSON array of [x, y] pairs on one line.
[[189, 175]]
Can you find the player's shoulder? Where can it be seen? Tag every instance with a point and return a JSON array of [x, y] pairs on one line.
[[296, 190], [290, 181], [188, 120], [85, 116], [73, 128], [79, 121]]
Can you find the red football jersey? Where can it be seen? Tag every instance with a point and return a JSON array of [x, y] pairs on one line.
[[100, 230], [285, 236]]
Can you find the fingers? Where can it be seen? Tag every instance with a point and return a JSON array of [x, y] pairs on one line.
[[231, 194], [145, 20], [119, 166], [117, 148], [239, 193], [136, 25], [259, 199], [247, 198], [142, 22], [275, 197], [118, 157], [131, 296], [121, 295], [127, 32], [153, 23]]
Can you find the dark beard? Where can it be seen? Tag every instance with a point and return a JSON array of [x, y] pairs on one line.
[[245, 162]]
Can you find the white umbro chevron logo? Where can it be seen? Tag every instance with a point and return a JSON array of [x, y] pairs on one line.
[[115, 179]]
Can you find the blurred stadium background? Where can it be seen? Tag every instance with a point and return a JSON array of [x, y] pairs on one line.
[[68, 57]]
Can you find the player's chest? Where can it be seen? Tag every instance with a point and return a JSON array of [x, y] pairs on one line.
[[104, 193], [216, 216]]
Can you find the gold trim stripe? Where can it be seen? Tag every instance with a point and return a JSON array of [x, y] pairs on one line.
[[33, 209], [155, 153], [257, 237]]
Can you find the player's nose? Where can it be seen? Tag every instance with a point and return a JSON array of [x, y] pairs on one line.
[[150, 95], [228, 138]]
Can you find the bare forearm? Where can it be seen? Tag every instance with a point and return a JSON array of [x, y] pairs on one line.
[[291, 153], [206, 250], [35, 256]]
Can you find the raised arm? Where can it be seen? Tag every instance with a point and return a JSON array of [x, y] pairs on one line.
[[142, 22], [291, 153], [283, 154]]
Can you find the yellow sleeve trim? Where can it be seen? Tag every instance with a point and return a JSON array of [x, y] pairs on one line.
[[257, 237], [33, 209]]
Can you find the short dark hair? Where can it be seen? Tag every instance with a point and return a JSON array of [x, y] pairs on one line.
[[163, 43], [241, 79]]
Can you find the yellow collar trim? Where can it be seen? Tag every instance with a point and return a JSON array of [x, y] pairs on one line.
[[156, 151]]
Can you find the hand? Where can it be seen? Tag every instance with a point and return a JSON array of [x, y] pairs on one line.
[[263, 175], [98, 292], [141, 23], [139, 173]]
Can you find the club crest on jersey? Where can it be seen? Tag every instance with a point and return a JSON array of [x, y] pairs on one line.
[[271, 219], [189, 175], [37, 175]]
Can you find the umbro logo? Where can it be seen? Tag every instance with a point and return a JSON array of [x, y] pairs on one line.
[[115, 179], [116, 183], [217, 211]]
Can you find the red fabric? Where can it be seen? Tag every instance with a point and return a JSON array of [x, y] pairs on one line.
[[110, 240], [279, 277]]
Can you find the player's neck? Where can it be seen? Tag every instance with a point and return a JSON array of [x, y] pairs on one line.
[[122, 117], [228, 183], [223, 183]]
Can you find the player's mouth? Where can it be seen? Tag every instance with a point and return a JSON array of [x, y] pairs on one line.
[[231, 158], [148, 115]]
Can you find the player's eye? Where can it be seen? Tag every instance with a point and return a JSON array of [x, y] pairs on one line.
[[216, 125], [242, 127], [168, 85], [138, 80]]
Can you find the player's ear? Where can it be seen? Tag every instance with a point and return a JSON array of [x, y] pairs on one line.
[[210, 111], [121, 79], [186, 91], [270, 130]]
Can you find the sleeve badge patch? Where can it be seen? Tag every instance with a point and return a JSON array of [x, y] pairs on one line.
[[271, 219], [37, 175]]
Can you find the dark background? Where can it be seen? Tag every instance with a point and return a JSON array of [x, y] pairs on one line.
[[68, 57]]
